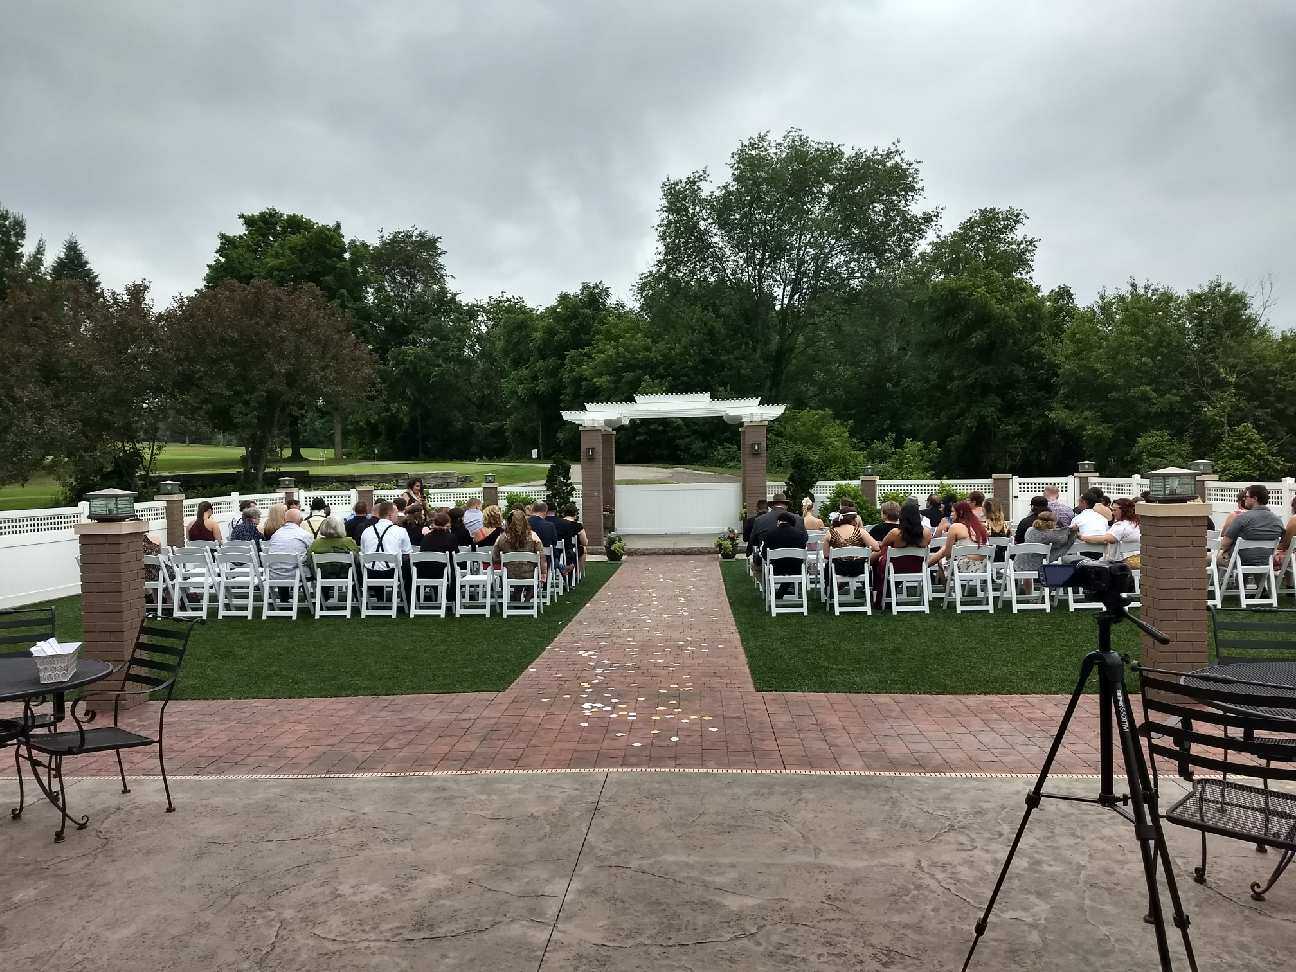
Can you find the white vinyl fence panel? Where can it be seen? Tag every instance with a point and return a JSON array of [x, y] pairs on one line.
[[678, 508]]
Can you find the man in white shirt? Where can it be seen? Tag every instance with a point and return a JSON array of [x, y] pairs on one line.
[[386, 536], [291, 538], [1088, 522]]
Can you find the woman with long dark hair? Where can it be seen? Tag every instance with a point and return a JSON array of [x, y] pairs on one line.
[[204, 526], [1123, 536], [911, 530]]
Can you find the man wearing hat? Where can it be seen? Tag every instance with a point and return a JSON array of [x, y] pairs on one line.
[[768, 520]]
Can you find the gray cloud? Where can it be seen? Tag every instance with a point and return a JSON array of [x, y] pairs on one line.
[[1150, 140]]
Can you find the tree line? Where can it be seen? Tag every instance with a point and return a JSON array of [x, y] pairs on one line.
[[812, 274]]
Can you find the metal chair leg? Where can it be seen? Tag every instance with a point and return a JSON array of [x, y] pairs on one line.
[[121, 768], [16, 812], [1257, 892], [1199, 873], [166, 784]]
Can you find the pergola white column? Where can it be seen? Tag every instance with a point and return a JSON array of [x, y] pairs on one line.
[[599, 421]]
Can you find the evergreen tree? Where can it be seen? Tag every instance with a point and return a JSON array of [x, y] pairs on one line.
[[73, 265], [16, 264]]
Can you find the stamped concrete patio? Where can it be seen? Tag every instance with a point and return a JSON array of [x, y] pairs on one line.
[[603, 870]]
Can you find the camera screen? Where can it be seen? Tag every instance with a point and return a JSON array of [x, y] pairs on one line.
[[1057, 575]]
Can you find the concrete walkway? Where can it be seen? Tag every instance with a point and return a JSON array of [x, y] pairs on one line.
[[650, 673], [599, 870]]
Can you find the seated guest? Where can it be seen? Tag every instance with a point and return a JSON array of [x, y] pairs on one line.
[[204, 526], [237, 518], [911, 530], [401, 504], [1099, 502], [890, 511], [292, 504], [492, 526], [1038, 505], [1122, 536], [291, 538], [1062, 513], [789, 532], [459, 528], [413, 493], [811, 521], [472, 516], [318, 514], [275, 518], [518, 537], [934, 512], [768, 520], [761, 507], [248, 527], [332, 539], [1289, 531], [997, 525], [360, 521], [1237, 510], [947, 514], [965, 528], [571, 533], [438, 539], [847, 532], [1089, 521], [541, 525], [977, 499], [1044, 530], [417, 521], [387, 536], [1257, 523]]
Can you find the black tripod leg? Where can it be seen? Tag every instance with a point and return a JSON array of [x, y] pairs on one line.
[[1032, 801]]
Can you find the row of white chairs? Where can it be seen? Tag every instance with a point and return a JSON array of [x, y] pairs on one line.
[[236, 578]]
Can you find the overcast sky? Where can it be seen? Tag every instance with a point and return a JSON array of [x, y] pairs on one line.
[[1154, 140]]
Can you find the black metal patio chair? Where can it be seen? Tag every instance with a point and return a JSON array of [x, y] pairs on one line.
[[1236, 728], [20, 628], [153, 668]]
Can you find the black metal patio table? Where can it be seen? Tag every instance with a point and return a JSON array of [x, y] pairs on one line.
[[20, 682], [1270, 681]]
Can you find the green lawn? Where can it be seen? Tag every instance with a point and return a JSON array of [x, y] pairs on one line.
[[938, 653], [372, 656], [43, 491]]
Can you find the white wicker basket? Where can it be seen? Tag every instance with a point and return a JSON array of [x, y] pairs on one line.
[[56, 668]]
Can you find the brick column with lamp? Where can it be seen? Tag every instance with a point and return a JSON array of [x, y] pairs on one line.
[[112, 589], [490, 491], [869, 487], [173, 507], [1174, 583], [1001, 489], [365, 494], [609, 474], [591, 446], [289, 487], [1084, 477], [754, 464]]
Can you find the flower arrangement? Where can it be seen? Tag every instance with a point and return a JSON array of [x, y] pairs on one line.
[[614, 546], [727, 544]]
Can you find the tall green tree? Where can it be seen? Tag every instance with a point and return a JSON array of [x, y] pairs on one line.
[[752, 266], [17, 264], [72, 264]]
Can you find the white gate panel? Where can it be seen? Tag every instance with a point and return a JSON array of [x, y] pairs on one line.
[[678, 508]]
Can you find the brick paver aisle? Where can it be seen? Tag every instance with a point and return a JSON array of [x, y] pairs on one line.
[[650, 673]]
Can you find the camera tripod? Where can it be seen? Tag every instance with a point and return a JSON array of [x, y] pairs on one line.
[[1113, 703]]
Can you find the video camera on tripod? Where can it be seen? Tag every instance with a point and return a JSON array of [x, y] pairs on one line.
[[1096, 578]]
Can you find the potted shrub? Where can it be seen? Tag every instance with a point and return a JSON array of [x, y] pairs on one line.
[[614, 546], [727, 544]]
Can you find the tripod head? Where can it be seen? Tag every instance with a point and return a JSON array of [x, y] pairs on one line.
[[1116, 609]]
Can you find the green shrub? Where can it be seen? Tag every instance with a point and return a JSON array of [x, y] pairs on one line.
[[559, 489], [850, 491], [515, 501]]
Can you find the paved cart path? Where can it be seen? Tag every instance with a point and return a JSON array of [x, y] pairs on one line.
[[649, 674]]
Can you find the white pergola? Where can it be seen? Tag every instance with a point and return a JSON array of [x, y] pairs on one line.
[[613, 415], [599, 421]]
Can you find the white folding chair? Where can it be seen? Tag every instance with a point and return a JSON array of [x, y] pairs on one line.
[[382, 591], [429, 595], [999, 567], [908, 590], [846, 593], [1022, 588], [333, 594], [973, 583], [815, 560], [236, 583], [1214, 591], [1265, 593], [157, 592], [938, 574], [553, 585], [283, 573], [797, 602], [474, 583], [193, 581], [1076, 600], [1286, 572], [528, 588], [208, 547]]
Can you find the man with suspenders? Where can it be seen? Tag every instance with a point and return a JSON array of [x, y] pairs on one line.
[[386, 536]]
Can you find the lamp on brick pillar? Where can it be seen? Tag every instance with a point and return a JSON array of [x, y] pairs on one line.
[[869, 485], [609, 474], [1084, 476], [365, 495], [173, 504], [490, 490], [1205, 470], [112, 576], [591, 441], [1001, 489], [754, 464], [289, 487], [1173, 589]]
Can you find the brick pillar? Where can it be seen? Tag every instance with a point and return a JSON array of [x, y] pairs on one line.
[[1203, 481], [591, 446], [869, 487], [1001, 489], [112, 587], [753, 464], [364, 494], [290, 494], [1174, 583], [175, 524], [609, 474], [490, 494], [1082, 482]]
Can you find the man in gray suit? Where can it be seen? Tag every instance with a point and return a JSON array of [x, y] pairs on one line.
[[769, 519]]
